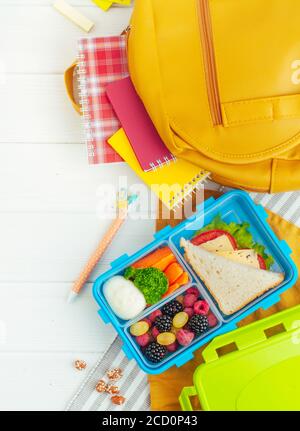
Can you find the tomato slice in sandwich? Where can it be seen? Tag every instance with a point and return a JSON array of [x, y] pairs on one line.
[[261, 261], [211, 235]]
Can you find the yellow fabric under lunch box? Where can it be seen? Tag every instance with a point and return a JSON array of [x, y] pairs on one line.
[[221, 82]]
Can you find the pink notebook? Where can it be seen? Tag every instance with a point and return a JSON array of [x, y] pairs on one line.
[[149, 148]]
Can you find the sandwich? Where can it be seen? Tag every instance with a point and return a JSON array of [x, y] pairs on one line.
[[232, 284]]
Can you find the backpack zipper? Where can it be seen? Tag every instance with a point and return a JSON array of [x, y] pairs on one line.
[[210, 62]]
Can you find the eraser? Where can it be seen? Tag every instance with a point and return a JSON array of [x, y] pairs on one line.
[[73, 15], [103, 4]]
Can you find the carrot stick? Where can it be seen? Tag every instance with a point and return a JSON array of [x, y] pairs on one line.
[[165, 262], [173, 272], [153, 258], [183, 279], [171, 289]]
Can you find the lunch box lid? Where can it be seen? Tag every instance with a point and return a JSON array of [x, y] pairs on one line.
[[232, 199], [261, 374]]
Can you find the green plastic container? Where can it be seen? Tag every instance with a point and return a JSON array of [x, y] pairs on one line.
[[263, 373]]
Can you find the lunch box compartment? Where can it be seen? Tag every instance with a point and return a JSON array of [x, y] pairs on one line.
[[121, 270], [238, 208], [234, 206], [181, 349]]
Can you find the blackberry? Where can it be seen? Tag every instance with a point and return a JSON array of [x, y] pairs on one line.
[[163, 323], [198, 324], [155, 352], [172, 308]]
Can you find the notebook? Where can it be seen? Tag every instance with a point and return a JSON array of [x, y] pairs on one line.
[[101, 60], [172, 183], [148, 146]]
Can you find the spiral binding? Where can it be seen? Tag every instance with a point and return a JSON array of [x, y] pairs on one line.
[[161, 163], [84, 105], [189, 189]]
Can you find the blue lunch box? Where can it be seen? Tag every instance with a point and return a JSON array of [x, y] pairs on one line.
[[235, 206]]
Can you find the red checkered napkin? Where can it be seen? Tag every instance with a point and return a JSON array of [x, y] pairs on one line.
[[101, 61]]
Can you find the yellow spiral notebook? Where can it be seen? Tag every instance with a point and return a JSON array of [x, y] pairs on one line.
[[172, 183]]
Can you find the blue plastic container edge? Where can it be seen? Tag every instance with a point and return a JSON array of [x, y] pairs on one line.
[[261, 211], [104, 316], [127, 352], [285, 247], [119, 261], [163, 233]]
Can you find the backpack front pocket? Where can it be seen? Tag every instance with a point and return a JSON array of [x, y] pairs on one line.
[[251, 55]]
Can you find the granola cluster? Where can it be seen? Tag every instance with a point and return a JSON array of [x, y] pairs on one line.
[[111, 388]]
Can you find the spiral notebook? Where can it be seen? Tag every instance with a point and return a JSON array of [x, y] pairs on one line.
[[172, 183], [101, 60], [148, 146]]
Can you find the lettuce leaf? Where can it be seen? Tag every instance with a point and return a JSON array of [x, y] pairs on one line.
[[242, 235]]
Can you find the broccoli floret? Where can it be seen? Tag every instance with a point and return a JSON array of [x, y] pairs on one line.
[[152, 282]]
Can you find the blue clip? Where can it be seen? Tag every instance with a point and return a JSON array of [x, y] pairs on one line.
[[183, 359], [262, 212], [163, 232], [127, 352], [120, 260], [102, 313], [269, 302], [231, 327]]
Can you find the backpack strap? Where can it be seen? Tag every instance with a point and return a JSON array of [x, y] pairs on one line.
[[257, 110], [69, 81]]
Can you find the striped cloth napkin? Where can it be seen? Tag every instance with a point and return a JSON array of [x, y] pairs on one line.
[[134, 384]]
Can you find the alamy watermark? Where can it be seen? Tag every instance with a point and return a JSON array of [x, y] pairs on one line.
[[146, 205]]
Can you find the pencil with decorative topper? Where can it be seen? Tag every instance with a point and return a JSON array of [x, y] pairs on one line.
[[124, 204]]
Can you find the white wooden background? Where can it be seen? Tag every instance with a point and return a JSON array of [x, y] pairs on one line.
[[48, 200]]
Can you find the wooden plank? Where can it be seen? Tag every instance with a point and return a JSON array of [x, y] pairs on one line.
[[38, 382], [37, 110], [55, 178], [37, 318], [43, 247], [45, 41]]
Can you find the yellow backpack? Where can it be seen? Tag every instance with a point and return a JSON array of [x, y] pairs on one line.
[[221, 82]]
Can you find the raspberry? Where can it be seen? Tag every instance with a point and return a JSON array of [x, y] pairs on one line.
[[212, 320], [201, 307], [189, 300], [172, 347], [185, 337], [143, 340], [147, 320], [189, 311], [155, 332], [154, 315], [193, 291]]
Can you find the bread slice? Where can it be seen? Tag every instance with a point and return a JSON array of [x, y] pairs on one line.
[[232, 284]]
